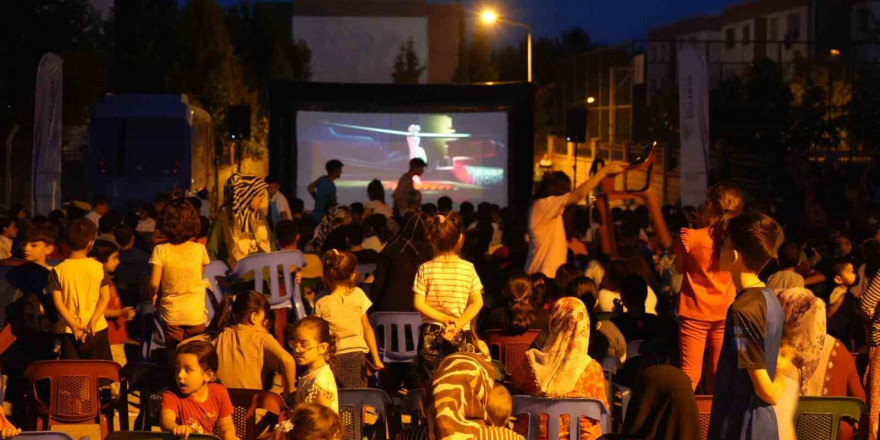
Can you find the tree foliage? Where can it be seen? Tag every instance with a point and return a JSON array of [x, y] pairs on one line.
[[407, 67]]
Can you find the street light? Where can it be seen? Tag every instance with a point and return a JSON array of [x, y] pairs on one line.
[[590, 100], [489, 17]]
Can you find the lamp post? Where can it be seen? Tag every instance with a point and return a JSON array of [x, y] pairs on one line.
[[489, 17]]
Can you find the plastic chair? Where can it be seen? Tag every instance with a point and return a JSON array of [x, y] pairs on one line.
[[150, 381], [633, 349], [818, 418], [152, 337], [704, 406], [75, 393], [397, 323], [260, 264], [511, 349], [214, 297], [149, 435], [365, 270], [246, 403], [42, 435], [409, 405], [351, 409], [553, 408]]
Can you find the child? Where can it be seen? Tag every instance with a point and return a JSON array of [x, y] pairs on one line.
[[323, 190], [634, 323], [448, 294], [345, 309], [245, 346], [133, 269], [8, 232], [101, 207], [287, 235], [117, 316], [842, 305], [315, 422], [749, 363], [313, 346], [500, 406], [178, 268], [198, 404], [80, 290], [787, 276]]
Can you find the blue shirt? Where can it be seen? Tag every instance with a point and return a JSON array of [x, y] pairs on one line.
[[752, 334], [325, 195]]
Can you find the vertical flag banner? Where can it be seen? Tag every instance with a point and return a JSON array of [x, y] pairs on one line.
[[693, 109], [47, 136]]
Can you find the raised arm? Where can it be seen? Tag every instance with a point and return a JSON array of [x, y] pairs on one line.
[[583, 190]]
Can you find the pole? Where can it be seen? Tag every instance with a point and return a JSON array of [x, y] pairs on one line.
[[529, 54]]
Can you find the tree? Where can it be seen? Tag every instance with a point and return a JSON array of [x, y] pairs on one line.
[[478, 66], [406, 65]]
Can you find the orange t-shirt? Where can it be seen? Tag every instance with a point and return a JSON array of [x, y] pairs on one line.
[[706, 292]]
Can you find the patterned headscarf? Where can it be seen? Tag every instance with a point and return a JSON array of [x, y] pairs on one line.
[[560, 364], [457, 406], [334, 218], [238, 194], [805, 329]]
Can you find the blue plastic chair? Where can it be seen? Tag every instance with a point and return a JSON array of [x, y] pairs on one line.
[[214, 269], [351, 409], [152, 338], [42, 435], [259, 264], [574, 408], [397, 322]]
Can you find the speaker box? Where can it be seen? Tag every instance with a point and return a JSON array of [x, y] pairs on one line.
[[576, 125], [239, 117]]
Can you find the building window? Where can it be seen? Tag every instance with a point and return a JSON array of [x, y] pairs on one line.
[[773, 29], [747, 35], [730, 38], [793, 27]]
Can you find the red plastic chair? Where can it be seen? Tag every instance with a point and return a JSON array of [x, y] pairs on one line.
[[704, 406], [75, 393], [511, 349], [246, 403]]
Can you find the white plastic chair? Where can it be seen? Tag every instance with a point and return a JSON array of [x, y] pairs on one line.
[[214, 269], [259, 263]]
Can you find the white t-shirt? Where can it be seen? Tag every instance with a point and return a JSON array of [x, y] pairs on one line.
[[447, 282], [373, 243], [345, 313], [605, 303], [548, 248], [5, 247], [319, 382], [378, 207], [277, 206], [183, 283], [94, 217], [80, 281]]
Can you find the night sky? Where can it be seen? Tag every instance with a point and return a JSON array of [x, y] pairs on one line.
[[607, 21]]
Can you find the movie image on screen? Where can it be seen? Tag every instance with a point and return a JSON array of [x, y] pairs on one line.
[[466, 153]]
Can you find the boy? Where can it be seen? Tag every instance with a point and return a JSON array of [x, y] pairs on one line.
[[787, 277], [323, 190], [405, 183], [500, 406], [101, 207], [287, 235], [842, 305], [8, 232], [749, 367], [80, 290], [279, 208]]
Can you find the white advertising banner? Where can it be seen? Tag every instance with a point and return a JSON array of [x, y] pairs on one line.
[[693, 108], [47, 136]]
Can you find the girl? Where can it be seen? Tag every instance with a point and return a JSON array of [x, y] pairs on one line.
[[313, 346], [178, 269], [198, 404], [345, 308], [706, 292], [117, 316], [315, 422], [245, 346], [520, 313], [448, 294], [663, 407], [376, 205]]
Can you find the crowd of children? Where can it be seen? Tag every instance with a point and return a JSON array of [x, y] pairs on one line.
[[777, 314]]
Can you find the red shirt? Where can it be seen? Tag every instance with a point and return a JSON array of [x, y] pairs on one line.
[[706, 292], [116, 332], [200, 416]]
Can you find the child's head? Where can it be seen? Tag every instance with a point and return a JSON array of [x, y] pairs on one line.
[[195, 365], [109, 222], [518, 291], [287, 234], [311, 341], [179, 221], [724, 201], [445, 232], [81, 234], [417, 166], [749, 242], [789, 255], [101, 205], [340, 269], [9, 228], [842, 246], [312, 421], [249, 308], [444, 205], [124, 235], [40, 243], [500, 406], [375, 190], [634, 293], [107, 254], [582, 287], [844, 272], [334, 168]]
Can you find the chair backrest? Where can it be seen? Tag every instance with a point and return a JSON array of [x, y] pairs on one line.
[[74, 397], [511, 349], [152, 337], [633, 349], [151, 381], [42, 435], [351, 409], [246, 403], [151, 435], [365, 270], [213, 270], [704, 406], [399, 324], [553, 408], [819, 417], [273, 262], [409, 405]]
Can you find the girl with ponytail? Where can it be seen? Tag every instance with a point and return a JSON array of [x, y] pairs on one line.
[[706, 292], [520, 313], [345, 310], [245, 346]]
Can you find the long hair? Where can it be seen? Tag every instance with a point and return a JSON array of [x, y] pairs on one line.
[[236, 309], [518, 291], [725, 198], [340, 269]]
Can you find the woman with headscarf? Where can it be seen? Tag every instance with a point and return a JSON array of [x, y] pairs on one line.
[[324, 240], [563, 369], [241, 228], [457, 406], [663, 407], [823, 365]]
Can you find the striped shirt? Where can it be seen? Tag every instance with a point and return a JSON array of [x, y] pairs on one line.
[[487, 433], [447, 282], [868, 305]]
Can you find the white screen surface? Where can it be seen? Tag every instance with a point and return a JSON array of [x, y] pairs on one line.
[[466, 153]]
